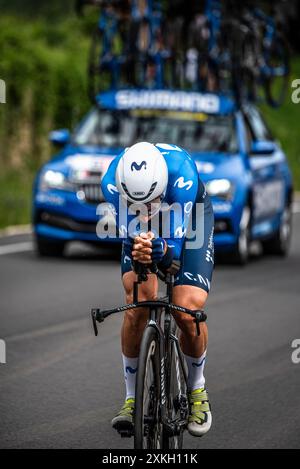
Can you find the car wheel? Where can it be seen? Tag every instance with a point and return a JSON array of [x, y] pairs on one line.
[[240, 254], [44, 247], [279, 244]]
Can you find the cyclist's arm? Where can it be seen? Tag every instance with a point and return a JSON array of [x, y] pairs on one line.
[[112, 196], [183, 189], [110, 190]]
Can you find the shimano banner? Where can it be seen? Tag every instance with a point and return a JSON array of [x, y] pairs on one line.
[[208, 103]]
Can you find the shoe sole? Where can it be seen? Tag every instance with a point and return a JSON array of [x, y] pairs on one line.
[[204, 430], [124, 428]]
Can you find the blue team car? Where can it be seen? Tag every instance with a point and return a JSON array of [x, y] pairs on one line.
[[244, 169]]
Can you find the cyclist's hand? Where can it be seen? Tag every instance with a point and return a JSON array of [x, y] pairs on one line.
[[149, 249], [159, 249], [128, 246], [142, 248]]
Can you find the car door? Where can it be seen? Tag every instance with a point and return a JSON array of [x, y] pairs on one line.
[[266, 161]]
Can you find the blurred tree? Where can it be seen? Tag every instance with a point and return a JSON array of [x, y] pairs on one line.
[[52, 8]]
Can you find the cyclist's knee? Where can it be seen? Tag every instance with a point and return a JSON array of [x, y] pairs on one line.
[[147, 290], [189, 297], [136, 318]]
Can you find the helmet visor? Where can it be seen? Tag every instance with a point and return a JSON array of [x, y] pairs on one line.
[[147, 210]]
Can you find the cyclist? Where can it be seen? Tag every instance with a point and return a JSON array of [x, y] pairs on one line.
[[159, 176]]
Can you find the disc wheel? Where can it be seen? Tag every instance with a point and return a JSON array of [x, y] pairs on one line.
[[147, 423], [177, 398]]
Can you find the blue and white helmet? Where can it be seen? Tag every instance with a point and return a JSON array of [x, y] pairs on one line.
[[142, 173]]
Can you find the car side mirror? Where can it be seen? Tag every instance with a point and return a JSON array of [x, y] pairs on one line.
[[59, 137], [262, 147]]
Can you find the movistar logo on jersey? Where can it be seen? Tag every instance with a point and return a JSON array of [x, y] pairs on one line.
[[111, 188], [138, 166], [181, 183]]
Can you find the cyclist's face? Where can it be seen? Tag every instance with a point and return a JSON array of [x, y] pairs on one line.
[[149, 209]]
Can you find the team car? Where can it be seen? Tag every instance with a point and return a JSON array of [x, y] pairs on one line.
[[243, 167]]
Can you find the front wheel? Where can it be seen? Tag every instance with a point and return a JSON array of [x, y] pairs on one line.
[[147, 422], [177, 407]]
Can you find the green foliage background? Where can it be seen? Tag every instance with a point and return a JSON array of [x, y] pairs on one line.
[[44, 66], [43, 58]]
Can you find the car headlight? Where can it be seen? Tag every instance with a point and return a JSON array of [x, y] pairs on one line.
[[54, 180], [222, 188]]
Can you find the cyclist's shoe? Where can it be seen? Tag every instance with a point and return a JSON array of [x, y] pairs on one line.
[[200, 415], [123, 421]]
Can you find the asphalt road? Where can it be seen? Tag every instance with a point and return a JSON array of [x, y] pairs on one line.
[[61, 386]]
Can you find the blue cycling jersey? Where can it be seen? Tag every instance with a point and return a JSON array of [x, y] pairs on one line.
[[184, 188]]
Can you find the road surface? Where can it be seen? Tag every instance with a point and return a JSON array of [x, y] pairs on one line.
[[61, 386]]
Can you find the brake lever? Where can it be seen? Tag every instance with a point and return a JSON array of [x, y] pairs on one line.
[[199, 316], [97, 316]]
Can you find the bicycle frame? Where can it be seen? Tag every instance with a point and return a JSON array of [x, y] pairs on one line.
[[164, 334]]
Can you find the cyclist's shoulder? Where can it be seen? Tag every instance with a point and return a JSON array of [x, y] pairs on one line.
[[108, 181], [111, 170], [176, 157]]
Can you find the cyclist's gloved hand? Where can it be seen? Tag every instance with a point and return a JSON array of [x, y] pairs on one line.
[[162, 254], [158, 249], [128, 246]]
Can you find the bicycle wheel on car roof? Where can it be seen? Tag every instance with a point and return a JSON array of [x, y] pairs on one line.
[[275, 71]]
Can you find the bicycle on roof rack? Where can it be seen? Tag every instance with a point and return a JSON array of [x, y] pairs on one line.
[[222, 47], [161, 403], [238, 48], [127, 46]]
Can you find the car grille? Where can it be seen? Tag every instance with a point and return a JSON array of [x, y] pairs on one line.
[[92, 192], [66, 223]]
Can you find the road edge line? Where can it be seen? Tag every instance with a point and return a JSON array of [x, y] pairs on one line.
[[15, 230]]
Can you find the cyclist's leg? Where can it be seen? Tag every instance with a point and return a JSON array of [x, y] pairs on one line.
[[132, 330], [134, 320], [192, 285], [190, 297]]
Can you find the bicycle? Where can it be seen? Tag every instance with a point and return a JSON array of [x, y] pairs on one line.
[[109, 55], [127, 46], [216, 47], [270, 49], [238, 48], [161, 401]]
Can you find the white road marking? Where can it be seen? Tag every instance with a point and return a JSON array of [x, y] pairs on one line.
[[296, 207], [76, 324], [15, 230], [16, 247]]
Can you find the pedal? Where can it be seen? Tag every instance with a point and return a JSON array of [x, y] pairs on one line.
[[125, 433], [124, 429]]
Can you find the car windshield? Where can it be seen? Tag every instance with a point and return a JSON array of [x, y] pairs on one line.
[[193, 131]]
